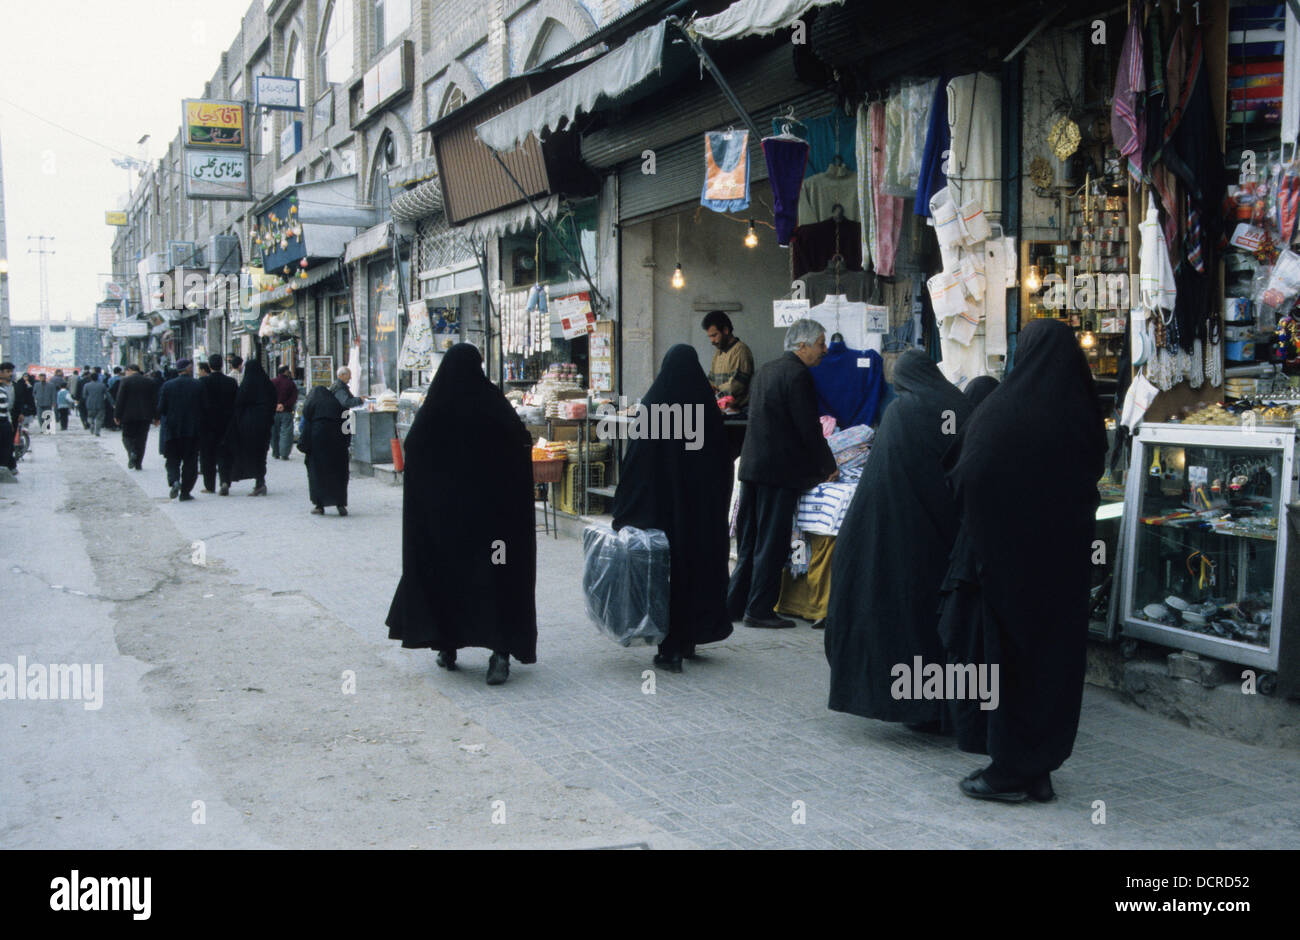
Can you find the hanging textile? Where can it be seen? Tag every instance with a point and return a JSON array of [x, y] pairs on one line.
[[1291, 85], [821, 193], [830, 137], [726, 171], [1155, 272], [887, 211], [849, 384], [974, 123], [841, 316], [814, 247], [862, 147], [786, 158], [1127, 121], [933, 173]]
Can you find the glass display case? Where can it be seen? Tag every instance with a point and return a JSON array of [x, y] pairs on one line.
[[1206, 539]]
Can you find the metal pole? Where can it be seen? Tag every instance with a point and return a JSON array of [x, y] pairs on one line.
[[708, 63]]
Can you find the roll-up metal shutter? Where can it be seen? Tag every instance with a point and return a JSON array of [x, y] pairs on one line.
[[679, 167]]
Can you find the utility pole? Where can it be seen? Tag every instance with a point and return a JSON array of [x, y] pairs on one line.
[[41, 251], [6, 347]]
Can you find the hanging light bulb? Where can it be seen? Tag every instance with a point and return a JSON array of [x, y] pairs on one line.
[[1088, 339], [1033, 280], [751, 237], [679, 279]]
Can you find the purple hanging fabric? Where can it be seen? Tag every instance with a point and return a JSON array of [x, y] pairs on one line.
[[786, 161]]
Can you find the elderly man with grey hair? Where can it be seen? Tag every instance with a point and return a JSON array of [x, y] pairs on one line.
[[341, 391], [784, 454]]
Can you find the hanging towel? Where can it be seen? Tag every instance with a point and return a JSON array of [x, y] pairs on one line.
[[863, 147], [726, 171], [937, 142], [786, 160]]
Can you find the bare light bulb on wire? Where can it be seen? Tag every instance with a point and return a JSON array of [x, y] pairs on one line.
[[679, 279]]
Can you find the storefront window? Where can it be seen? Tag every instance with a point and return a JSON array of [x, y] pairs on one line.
[[385, 314]]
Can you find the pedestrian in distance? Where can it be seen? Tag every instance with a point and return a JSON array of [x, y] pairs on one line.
[[249, 435], [111, 382], [219, 393], [286, 397], [326, 448], [63, 405], [94, 397], [180, 411], [1017, 589], [8, 411], [136, 407], [783, 455], [25, 398], [469, 546], [684, 491], [46, 394]]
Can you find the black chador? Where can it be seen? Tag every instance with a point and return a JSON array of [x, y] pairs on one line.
[[892, 551], [326, 447]]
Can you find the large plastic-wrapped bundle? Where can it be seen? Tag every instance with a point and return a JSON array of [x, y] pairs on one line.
[[851, 446], [625, 580]]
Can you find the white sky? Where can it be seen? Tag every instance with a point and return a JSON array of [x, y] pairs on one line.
[[112, 71]]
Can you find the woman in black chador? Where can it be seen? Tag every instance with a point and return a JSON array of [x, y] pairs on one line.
[[685, 492], [892, 553], [326, 447], [249, 437], [469, 550], [978, 389], [1024, 473]]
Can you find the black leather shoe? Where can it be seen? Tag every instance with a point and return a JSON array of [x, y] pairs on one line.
[[225, 489], [1040, 789], [669, 663], [976, 787], [498, 668], [175, 491], [820, 624], [447, 659], [343, 510], [186, 498], [773, 623]]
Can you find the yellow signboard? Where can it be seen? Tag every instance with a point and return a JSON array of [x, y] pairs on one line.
[[114, 218], [214, 123]]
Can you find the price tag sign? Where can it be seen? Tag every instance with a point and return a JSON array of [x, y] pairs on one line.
[[785, 312]]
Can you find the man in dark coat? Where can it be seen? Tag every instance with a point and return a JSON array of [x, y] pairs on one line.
[[25, 398], [94, 396], [46, 394], [891, 554], [111, 382], [219, 393], [784, 454], [136, 407], [249, 436], [8, 412], [180, 410], [682, 486], [326, 447], [469, 545]]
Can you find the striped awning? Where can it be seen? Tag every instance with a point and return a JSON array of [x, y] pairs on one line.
[[419, 202]]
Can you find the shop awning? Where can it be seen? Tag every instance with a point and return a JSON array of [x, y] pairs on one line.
[[754, 18], [314, 276], [369, 242], [507, 221], [419, 202], [608, 77]]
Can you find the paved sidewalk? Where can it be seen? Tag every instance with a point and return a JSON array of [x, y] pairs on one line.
[[731, 752]]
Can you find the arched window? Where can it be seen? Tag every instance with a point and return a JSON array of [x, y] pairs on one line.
[[297, 60], [552, 39], [452, 100], [337, 61], [385, 160]]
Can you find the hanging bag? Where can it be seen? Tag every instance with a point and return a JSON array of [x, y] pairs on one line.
[[625, 581]]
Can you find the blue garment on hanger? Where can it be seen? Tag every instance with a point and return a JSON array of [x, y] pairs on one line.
[[822, 141], [729, 149], [937, 142], [846, 391]]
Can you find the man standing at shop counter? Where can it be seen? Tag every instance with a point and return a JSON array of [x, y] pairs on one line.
[[784, 454], [733, 364]]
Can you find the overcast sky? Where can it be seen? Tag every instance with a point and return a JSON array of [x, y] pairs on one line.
[[108, 70]]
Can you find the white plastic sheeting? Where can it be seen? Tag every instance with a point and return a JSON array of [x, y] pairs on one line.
[[754, 18]]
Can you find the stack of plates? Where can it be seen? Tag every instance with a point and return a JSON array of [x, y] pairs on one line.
[[1240, 388]]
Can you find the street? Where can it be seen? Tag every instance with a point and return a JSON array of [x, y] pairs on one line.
[[253, 700]]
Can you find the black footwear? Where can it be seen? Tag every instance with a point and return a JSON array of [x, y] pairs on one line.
[[225, 489], [670, 663], [498, 668], [819, 624], [259, 490], [175, 491], [1040, 789], [976, 787], [925, 727], [447, 659], [186, 497], [206, 490], [343, 510], [774, 622], [318, 511]]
